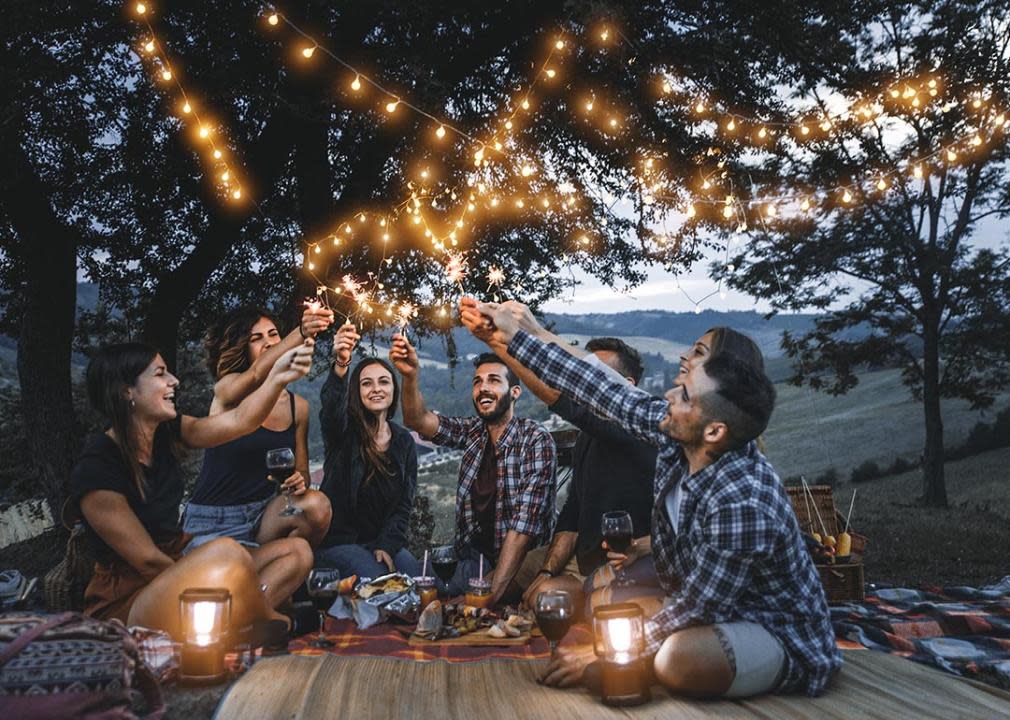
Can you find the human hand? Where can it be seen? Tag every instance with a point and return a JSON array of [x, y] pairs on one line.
[[479, 325], [567, 665], [530, 596], [315, 320], [295, 485], [344, 342], [403, 356], [638, 548], [381, 556], [294, 364]]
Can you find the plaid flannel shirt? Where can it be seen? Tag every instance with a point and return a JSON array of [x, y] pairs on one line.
[[526, 466], [737, 552]]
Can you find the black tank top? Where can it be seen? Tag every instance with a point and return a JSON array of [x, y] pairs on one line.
[[236, 473]]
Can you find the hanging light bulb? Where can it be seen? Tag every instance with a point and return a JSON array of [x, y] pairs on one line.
[[977, 140], [706, 184], [667, 88], [551, 72], [881, 184], [203, 132], [217, 154], [727, 211], [187, 108], [589, 105], [307, 52], [951, 155], [731, 125], [149, 46], [847, 196], [691, 210], [391, 106], [613, 122], [604, 34], [236, 194], [225, 176], [770, 210], [166, 74], [440, 133], [762, 133], [560, 45], [356, 83], [273, 19], [527, 170], [508, 124], [699, 107], [804, 130], [497, 145], [141, 8], [917, 171], [805, 205], [525, 104]]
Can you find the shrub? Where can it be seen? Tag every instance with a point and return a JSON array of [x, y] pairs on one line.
[[900, 465], [868, 470], [828, 477], [421, 526]]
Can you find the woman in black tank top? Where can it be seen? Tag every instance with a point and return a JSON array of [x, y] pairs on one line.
[[233, 497]]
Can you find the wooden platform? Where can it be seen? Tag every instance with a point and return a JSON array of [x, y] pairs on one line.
[[872, 685]]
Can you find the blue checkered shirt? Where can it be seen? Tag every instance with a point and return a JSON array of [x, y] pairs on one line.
[[527, 460], [737, 552]]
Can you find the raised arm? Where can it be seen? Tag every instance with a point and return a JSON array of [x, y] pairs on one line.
[[234, 387], [415, 415], [214, 430], [559, 365], [333, 396]]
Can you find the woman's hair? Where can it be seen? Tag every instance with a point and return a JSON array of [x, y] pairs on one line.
[[732, 342], [365, 421], [111, 371], [227, 341]]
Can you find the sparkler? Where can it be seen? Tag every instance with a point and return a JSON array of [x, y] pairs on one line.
[[455, 269], [495, 278]]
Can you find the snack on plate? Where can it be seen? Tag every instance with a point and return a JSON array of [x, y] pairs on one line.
[[394, 583]]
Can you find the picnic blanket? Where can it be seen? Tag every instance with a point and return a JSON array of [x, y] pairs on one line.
[[387, 640], [962, 630]]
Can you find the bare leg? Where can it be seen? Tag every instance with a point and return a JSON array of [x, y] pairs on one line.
[[312, 524], [692, 662], [221, 563], [282, 565]]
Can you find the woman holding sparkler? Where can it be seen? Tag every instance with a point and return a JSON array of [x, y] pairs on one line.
[[370, 472]]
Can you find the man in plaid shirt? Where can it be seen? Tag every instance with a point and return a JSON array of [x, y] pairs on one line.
[[746, 612], [506, 494]]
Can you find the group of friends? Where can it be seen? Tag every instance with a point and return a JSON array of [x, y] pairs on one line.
[[734, 604]]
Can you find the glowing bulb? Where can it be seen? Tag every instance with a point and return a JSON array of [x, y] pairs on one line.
[[731, 125], [356, 83], [361, 217], [440, 133], [546, 203], [526, 104], [700, 107], [217, 154], [917, 171], [203, 132], [977, 140], [697, 309], [805, 205], [225, 176], [459, 223], [847, 196], [770, 211], [317, 249], [494, 202], [762, 133], [166, 74], [932, 83], [497, 145], [308, 51], [976, 103], [613, 122], [1000, 119], [894, 93], [583, 240], [560, 44], [508, 124], [881, 184], [149, 46], [527, 170], [391, 106], [417, 219], [706, 184], [804, 130], [273, 19], [347, 228], [727, 211], [385, 237], [478, 156], [551, 72], [589, 105], [604, 34], [236, 194], [691, 210], [312, 266], [520, 204], [951, 155], [186, 107], [424, 173], [141, 8], [826, 125]]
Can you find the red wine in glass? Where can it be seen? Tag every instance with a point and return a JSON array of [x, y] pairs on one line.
[[323, 586], [554, 613], [444, 562], [617, 530]]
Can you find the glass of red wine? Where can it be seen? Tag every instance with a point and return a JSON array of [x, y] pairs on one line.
[[280, 466], [323, 585], [617, 530], [444, 562], [554, 612]]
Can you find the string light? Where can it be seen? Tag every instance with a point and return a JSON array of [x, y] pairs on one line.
[[356, 83], [391, 106], [308, 51], [273, 19], [440, 132], [141, 8]]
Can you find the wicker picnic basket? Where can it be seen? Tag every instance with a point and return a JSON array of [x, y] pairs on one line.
[[843, 582]]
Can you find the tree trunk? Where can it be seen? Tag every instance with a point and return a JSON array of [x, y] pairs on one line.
[[934, 489], [48, 297]]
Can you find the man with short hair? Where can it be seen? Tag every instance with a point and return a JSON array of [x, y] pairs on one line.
[[746, 612], [612, 470], [506, 494]]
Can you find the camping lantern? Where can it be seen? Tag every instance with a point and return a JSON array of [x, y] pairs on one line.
[[205, 615], [619, 641]]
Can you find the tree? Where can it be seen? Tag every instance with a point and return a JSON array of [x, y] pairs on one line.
[[112, 185], [898, 272]]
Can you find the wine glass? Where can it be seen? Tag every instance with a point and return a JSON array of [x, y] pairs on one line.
[[617, 530], [444, 562], [322, 585], [280, 465], [554, 615]]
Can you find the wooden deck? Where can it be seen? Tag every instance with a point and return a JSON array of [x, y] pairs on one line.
[[872, 685]]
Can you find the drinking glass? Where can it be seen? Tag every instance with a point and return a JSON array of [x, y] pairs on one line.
[[322, 585], [617, 530], [444, 562], [280, 466], [554, 615]]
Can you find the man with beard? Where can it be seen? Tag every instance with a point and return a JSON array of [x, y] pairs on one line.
[[506, 493], [745, 612]]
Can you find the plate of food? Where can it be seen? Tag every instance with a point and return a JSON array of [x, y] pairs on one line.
[[461, 624]]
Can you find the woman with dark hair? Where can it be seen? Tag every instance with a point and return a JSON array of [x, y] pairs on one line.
[[370, 472], [233, 497], [128, 484]]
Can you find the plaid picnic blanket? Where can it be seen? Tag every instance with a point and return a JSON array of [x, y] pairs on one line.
[[386, 640], [960, 629]]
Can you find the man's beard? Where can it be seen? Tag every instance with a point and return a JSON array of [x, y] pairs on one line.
[[497, 412]]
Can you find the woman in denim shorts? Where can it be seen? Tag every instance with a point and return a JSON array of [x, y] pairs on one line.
[[233, 497]]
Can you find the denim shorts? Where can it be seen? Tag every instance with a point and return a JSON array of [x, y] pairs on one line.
[[238, 522]]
